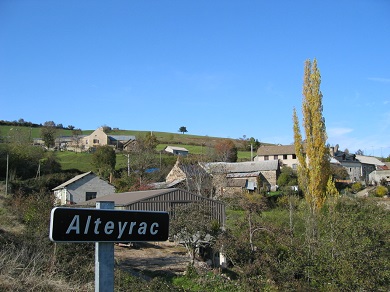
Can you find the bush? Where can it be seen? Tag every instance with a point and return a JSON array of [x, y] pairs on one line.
[[356, 187], [381, 191]]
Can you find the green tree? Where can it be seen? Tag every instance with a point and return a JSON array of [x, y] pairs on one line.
[[287, 177], [48, 133], [23, 160], [149, 142], [104, 160], [312, 153], [143, 157], [183, 130]]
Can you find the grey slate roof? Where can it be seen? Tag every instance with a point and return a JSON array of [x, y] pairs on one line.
[[241, 167], [369, 160], [243, 174], [276, 150], [72, 180], [121, 138]]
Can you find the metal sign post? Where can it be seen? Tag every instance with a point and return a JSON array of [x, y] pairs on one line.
[[104, 259], [104, 226]]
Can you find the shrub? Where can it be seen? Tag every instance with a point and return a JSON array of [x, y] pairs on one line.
[[356, 187], [381, 191]]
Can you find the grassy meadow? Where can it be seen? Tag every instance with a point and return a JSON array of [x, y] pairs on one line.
[[196, 145]]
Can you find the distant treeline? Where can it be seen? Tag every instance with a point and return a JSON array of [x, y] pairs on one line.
[[23, 123]]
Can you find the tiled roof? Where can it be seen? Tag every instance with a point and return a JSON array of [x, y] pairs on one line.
[[241, 167], [369, 160], [276, 150], [121, 138]]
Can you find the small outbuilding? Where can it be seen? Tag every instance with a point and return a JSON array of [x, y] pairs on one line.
[[378, 176], [176, 150], [81, 188]]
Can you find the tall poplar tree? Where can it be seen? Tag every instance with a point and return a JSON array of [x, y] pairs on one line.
[[312, 153]]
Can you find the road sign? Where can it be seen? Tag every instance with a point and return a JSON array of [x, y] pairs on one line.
[[107, 225]]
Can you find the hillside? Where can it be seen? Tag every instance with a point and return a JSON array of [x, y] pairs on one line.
[[163, 137], [194, 143]]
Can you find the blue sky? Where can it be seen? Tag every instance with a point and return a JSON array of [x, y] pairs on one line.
[[219, 68]]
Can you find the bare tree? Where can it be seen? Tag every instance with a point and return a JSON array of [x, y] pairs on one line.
[[194, 227], [76, 137]]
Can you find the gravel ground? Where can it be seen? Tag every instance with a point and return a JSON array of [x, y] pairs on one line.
[[158, 258]]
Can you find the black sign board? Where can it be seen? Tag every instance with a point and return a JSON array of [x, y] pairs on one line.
[[107, 225]]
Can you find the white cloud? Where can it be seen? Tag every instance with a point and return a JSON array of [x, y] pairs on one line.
[[337, 132]]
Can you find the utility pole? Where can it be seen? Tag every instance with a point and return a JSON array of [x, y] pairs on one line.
[[6, 178], [128, 164]]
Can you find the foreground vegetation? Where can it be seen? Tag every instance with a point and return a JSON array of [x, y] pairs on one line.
[[272, 243], [350, 253]]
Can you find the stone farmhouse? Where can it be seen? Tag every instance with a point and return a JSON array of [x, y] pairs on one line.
[[358, 166], [283, 153], [234, 177], [100, 138], [217, 179]]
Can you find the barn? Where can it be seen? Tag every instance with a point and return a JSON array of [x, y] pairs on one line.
[[159, 200]]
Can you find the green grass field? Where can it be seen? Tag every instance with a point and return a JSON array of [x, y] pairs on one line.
[[196, 145]]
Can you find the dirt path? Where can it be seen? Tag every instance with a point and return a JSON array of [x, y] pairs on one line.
[[152, 258], [365, 192]]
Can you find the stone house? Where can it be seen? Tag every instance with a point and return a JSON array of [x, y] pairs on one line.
[[100, 138], [350, 163], [221, 178], [191, 177], [283, 153], [234, 177], [358, 166], [81, 188], [369, 164]]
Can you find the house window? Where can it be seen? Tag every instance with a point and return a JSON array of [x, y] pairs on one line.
[[275, 157], [95, 141], [284, 156], [294, 156], [90, 196], [266, 157], [294, 166]]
